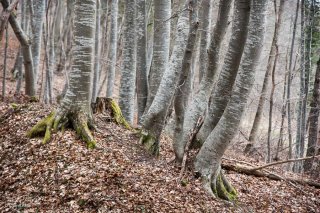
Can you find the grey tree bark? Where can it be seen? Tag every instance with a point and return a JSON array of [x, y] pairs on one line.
[[112, 55], [208, 160], [37, 23], [262, 99], [154, 119], [289, 79], [30, 88], [141, 79], [205, 25], [128, 72], [75, 106], [198, 105], [161, 47], [221, 95], [183, 90], [96, 73]]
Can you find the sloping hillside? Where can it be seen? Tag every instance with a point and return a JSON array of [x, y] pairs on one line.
[[64, 176]]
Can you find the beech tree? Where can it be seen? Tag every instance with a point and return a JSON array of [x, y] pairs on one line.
[[75, 106], [208, 160]]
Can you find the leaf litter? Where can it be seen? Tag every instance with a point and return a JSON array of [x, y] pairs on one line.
[[118, 176]]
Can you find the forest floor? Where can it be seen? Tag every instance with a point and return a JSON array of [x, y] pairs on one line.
[[118, 176]]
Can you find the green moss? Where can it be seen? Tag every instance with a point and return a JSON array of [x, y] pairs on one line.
[[34, 99], [14, 106], [150, 143], [117, 114], [43, 127], [222, 190]]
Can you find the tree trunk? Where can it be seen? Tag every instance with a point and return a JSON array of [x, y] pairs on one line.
[[289, 82], [161, 47], [141, 80], [272, 54], [26, 52], [5, 63], [205, 21], [208, 160], [313, 119], [96, 73], [198, 105], [128, 72], [37, 23], [112, 56], [154, 119], [75, 106], [183, 90], [219, 96]]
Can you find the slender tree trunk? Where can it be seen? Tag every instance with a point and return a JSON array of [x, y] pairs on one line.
[[198, 105], [313, 119], [272, 55], [141, 80], [128, 72], [183, 90], [221, 95], [273, 87], [161, 47], [5, 64], [96, 73], [208, 160], [300, 128], [154, 119], [112, 56], [37, 23], [26, 52], [289, 83]]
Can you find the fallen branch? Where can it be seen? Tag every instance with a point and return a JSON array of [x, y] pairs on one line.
[[250, 171], [285, 161]]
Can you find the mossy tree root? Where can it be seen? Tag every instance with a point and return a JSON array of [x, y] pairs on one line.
[[117, 114], [220, 187], [150, 143], [55, 121]]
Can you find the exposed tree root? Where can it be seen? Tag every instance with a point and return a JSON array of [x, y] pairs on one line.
[[218, 186], [150, 143], [55, 121]]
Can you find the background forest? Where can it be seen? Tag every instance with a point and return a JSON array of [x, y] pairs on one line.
[[194, 99]]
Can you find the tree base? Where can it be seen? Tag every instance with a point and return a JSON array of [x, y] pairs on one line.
[[150, 143], [55, 121], [220, 187]]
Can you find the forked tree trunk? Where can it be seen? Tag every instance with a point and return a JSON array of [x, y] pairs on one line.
[[220, 96], [128, 72], [154, 119], [198, 105], [183, 90], [272, 54], [208, 160], [161, 47], [112, 55], [26, 52]]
